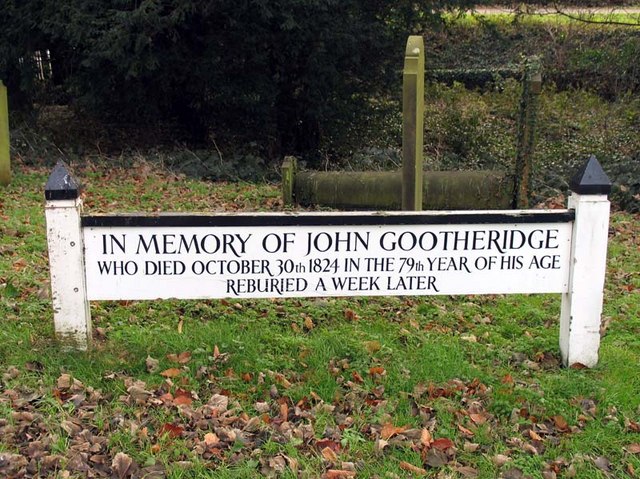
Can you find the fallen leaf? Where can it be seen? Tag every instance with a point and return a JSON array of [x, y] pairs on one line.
[[329, 454], [425, 437], [220, 402], [389, 430], [182, 358], [442, 443], [560, 423], [602, 463], [350, 315], [338, 474], [513, 473], [470, 446], [122, 465], [507, 379], [467, 471], [152, 364], [308, 323], [328, 443], [377, 371], [211, 439], [182, 398], [64, 381], [372, 346], [436, 458], [406, 466], [171, 372], [500, 460], [478, 418], [171, 430], [633, 448], [379, 446], [534, 435]]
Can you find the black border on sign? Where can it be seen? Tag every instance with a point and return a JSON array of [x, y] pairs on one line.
[[169, 220]]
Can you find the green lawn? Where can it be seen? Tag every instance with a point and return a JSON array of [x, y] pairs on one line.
[[372, 387]]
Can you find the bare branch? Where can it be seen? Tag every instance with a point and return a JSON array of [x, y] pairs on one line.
[[589, 18]]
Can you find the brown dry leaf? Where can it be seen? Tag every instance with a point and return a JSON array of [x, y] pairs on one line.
[[338, 474], [389, 430], [328, 443], [602, 463], [308, 323], [513, 473], [500, 459], [182, 398], [534, 435], [436, 458], [467, 471], [578, 366], [377, 371], [470, 446], [138, 393], [478, 418], [425, 437], [220, 402], [182, 358], [211, 439], [282, 380], [152, 364], [65, 381], [351, 315], [633, 448], [329, 454], [355, 375], [631, 425], [379, 446], [465, 431], [171, 429], [560, 423], [507, 379], [442, 443], [171, 373], [372, 346], [407, 466], [122, 465], [284, 410]]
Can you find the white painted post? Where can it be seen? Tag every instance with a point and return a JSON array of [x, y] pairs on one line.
[[71, 313], [582, 303]]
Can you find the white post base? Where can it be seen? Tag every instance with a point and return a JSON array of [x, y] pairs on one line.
[[71, 313], [582, 303]]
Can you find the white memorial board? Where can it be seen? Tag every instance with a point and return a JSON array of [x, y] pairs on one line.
[[264, 259]]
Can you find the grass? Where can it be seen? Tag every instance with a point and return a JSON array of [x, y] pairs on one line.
[[441, 358]]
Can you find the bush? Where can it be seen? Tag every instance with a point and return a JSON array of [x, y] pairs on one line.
[[276, 72]]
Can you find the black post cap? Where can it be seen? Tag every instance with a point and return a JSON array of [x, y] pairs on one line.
[[61, 185], [591, 179]]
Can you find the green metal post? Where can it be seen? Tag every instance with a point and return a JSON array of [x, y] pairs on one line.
[[289, 167], [5, 163], [531, 89], [412, 124]]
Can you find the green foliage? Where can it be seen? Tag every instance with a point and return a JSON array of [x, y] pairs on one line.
[[277, 72], [596, 57]]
